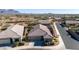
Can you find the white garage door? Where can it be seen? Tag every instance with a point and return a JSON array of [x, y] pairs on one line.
[[5, 41]]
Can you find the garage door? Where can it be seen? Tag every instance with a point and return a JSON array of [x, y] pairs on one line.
[[39, 43], [5, 42], [38, 40]]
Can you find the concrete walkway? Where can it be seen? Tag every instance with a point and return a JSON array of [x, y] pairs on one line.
[[61, 43]]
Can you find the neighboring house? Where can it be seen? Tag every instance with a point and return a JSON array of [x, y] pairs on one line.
[[77, 19], [71, 22], [45, 22], [57, 18], [40, 33], [11, 34]]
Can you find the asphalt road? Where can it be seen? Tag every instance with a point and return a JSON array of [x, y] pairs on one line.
[[69, 42]]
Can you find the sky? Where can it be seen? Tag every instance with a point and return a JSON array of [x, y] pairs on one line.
[[55, 11]]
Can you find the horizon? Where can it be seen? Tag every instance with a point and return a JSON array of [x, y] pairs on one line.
[[54, 11]]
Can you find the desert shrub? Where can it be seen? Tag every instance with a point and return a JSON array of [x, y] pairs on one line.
[[21, 44]]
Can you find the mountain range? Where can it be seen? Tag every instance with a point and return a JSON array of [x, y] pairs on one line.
[[8, 11]]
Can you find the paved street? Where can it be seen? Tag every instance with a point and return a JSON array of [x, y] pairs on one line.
[[68, 41]]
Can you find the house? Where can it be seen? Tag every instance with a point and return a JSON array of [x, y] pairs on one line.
[[77, 19], [71, 22], [57, 18], [46, 23], [11, 34], [40, 33]]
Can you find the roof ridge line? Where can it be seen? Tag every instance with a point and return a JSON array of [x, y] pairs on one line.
[[45, 31], [14, 32]]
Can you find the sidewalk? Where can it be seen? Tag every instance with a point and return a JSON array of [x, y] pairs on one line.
[[61, 43]]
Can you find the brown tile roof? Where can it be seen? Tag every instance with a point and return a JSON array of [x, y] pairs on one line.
[[40, 30], [15, 31]]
